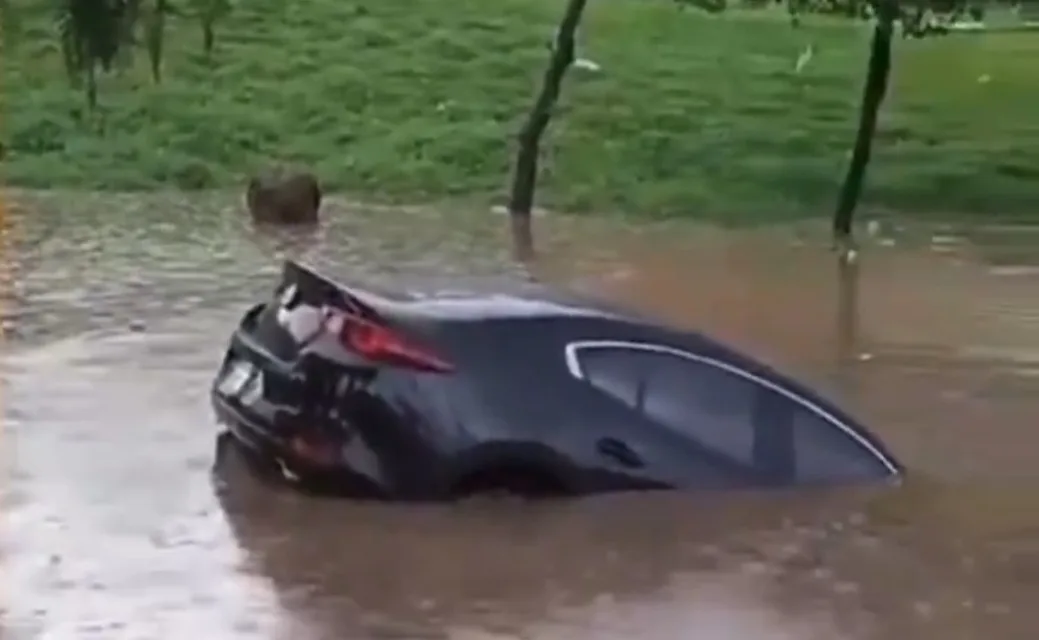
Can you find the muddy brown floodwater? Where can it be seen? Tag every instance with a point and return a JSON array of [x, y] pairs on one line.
[[114, 527]]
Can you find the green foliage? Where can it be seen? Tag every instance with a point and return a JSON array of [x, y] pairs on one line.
[[96, 34], [91, 34], [10, 25], [918, 17], [419, 100]]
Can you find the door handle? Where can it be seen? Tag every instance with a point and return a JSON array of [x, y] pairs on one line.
[[620, 452]]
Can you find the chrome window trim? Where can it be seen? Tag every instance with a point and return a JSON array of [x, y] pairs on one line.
[[573, 364]]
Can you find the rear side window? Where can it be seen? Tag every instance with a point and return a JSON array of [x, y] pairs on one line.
[[733, 415], [824, 452]]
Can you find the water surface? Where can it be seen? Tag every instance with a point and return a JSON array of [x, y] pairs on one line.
[[118, 308]]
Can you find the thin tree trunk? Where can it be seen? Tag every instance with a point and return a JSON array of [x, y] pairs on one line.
[[156, 35], [524, 181], [793, 9], [208, 39], [91, 76], [872, 97]]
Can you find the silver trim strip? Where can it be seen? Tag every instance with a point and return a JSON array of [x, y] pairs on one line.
[[574, 366]]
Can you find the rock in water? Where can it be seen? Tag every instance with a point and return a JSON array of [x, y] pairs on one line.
[[284, 198]]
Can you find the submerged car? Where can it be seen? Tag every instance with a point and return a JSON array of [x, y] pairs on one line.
[[342, 388]]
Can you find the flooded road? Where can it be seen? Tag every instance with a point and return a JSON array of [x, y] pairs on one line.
[[114, 526]]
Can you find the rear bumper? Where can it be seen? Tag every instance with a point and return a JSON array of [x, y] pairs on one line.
[[266, 441], [268, 432]]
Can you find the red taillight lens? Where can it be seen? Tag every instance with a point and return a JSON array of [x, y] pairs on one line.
[[381, 345]]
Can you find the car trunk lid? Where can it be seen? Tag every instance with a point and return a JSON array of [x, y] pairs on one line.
[[309, 311]]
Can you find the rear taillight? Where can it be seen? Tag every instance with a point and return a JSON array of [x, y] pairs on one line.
[[380, 344]]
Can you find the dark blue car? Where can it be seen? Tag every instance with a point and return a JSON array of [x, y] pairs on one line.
[[410, 397]]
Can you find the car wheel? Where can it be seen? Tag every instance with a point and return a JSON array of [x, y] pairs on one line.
[[514, 480]]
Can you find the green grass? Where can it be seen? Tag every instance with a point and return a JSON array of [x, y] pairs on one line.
[[419, 100]]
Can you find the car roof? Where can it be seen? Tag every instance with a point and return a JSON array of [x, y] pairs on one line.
[[481, 299], [501, 306]]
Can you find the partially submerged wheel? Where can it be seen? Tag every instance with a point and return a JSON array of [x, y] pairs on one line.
[[509, 481]]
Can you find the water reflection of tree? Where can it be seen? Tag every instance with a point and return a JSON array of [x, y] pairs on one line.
[[292, 243], [847, 319]]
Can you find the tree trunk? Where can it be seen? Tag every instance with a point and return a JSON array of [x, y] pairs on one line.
[[208, 38], [793, 9], [156, 35], [91, 76], [521, 197], [872, 97]]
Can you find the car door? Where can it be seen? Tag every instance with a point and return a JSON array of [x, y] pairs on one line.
[[732, 417], [636, 438]]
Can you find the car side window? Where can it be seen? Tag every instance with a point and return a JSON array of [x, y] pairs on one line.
[[825, 453], [710, 405], [733, 415], [618, 372]]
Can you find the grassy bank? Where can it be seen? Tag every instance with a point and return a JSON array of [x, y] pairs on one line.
[[419, 99]]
